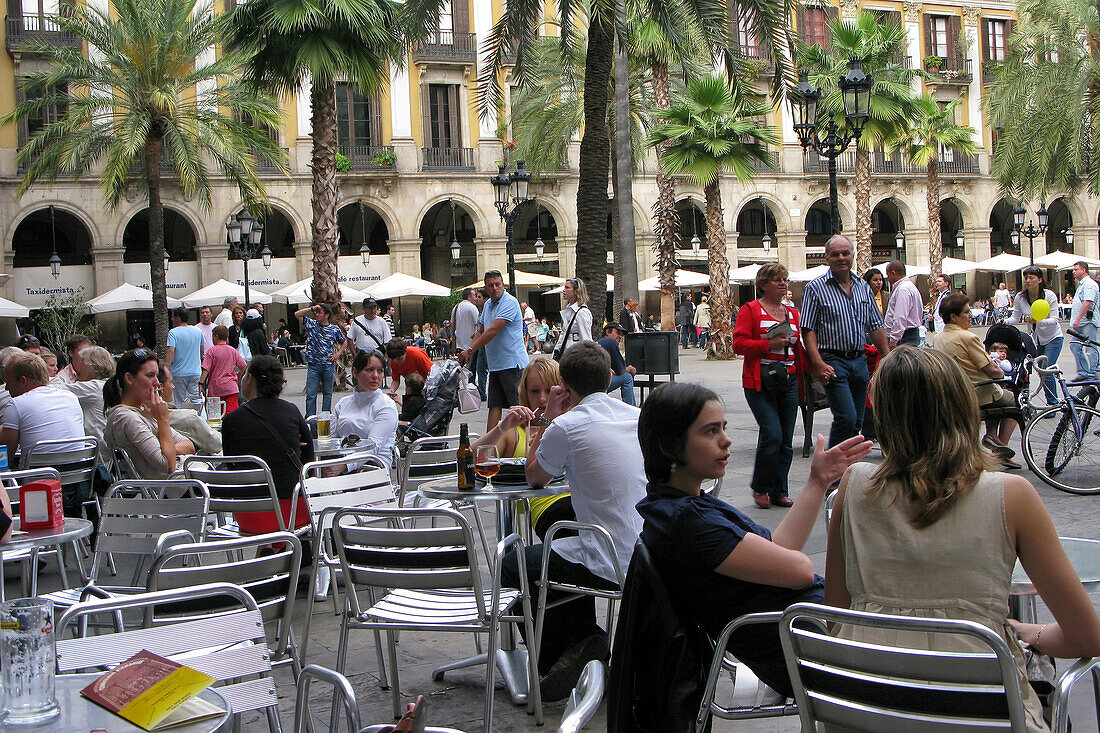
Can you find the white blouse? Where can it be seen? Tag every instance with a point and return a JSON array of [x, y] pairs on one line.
[[370, 415]]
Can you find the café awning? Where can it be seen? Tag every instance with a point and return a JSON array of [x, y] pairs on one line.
[[400, 285], [685, 279], [805, 276], [560, 288], [124, 298], [11, 309], [1060, 260], [1004, 262], [216, 293], [524, 280], [302, 292]]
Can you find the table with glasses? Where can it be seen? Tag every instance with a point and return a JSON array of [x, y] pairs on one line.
[[37, 539], [332, 447], [1084, 555], [78, 713], [511, 661]]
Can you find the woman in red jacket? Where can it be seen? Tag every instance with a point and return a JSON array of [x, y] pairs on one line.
[[767, 336]]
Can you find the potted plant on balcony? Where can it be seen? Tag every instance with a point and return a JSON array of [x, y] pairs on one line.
[[383, 158], [343, 163], [933, 63]]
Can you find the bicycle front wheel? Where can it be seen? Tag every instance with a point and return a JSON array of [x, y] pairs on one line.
[[1065, 452]]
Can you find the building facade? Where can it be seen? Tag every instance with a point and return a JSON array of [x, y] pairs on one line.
[[420, 157]]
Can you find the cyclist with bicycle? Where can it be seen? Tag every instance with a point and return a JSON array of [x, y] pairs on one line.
[[1047, 332]]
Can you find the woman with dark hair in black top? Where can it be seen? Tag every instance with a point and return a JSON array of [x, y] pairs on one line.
[[716, 562]]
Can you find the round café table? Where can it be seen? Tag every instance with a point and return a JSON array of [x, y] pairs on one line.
[[1084, 556], [37, 539], [511, 662], [330, 447], [78, 713]]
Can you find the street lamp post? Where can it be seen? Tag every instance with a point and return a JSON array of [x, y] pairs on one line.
[[817, 128], [55, 260], [511, 193], [245, 232], [1031, 231]]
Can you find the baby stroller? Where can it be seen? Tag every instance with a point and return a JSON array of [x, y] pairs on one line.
[[441, 399], [1021, 350]]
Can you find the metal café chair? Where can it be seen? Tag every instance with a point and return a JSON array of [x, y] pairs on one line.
[[585, 699], [868, 686], [237, 485], [271, 579], [324, 496], [426, 579], [229, 646]]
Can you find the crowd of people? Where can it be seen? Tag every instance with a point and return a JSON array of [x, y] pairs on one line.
[[934, 530]]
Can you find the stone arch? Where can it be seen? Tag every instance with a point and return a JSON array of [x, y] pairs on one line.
[[1000, 226], [692, 224], [753, 219], [79, 213], [905, 208], [358, 226], [383, 209], [437, 229], [472, 208], [1062, 215], [199, 224], [966, 208], [278, 235], [33, 238], [952, 223], [777, 208], [301, 227], [180, 237]]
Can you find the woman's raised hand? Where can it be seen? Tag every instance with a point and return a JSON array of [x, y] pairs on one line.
[[156, 407], [829, 465], [518, 415]]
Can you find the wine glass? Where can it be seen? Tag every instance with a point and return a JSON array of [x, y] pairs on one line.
[[487, 464]]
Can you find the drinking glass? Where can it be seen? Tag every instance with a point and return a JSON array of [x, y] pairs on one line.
[[487, 464], [324, 425], [28, 659], [215, 410]]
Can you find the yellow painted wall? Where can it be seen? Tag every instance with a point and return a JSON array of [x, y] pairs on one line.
[[414, 101]]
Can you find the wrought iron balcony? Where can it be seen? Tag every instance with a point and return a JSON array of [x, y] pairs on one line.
[[448, 159], [369, 157], [448, 46], [22, 31], [952, 70]]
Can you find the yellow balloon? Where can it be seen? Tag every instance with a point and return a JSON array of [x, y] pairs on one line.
[[1040, 309]]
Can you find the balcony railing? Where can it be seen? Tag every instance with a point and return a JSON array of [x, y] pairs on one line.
[[764, 168], [448, 46], [265, 166], [895, 164], [448, 159], [23, 30], [814, 163], [905, 62], [370, 157], [758, 58], [953, 70], [961, 165]]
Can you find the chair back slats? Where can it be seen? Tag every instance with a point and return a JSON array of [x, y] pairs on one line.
[[870, 686], [107, 650], [237, 484], [251, 694], [237, 661], [361, 488], [428, 459], [75, 460]]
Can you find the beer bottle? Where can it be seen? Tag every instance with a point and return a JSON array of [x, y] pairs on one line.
[[465, 460]]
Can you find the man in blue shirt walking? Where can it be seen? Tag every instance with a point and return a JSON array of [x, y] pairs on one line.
[[325, 343], [838, 315], [184, 357], [504, 349]]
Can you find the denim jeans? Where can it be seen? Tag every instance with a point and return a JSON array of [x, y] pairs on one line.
[[625, 383], [775, 414], [319, 376], [704, 337], [846, 391], [187, 392], [564, 625], [1085, 355], [1052, 351], [684, 335]]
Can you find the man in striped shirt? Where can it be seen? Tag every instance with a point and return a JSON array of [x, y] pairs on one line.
[[838, 315]]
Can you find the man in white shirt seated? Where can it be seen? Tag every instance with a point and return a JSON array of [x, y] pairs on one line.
[[39, 411], [593, 439]]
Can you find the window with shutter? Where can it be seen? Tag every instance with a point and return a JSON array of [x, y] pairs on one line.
[[815, 32], [936, 41], [954, 28], [995, 37], [442, 129], [460, 16], [30, 124]]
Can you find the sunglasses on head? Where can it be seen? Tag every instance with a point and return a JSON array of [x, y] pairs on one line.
[[350, 441]]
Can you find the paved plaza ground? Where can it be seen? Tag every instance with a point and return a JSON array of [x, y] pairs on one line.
[[457, 700]]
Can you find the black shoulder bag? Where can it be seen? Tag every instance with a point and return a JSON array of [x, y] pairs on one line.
[[565, 335], [295, 458], [774, 376]]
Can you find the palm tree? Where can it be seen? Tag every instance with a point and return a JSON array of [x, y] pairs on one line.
[[289, 41], [517, 29], [1053, 72], [880, 46], [932, 131], [712, 129], [131, 104]]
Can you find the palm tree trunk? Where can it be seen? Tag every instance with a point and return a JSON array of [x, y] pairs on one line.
[[721, 332], [863, 209], [594, 156], [325, 193], [154, 152], [616, 212], [626, 252], [935, 244], [665, 222]]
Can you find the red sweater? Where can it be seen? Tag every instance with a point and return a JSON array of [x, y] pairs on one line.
[[749, 341]]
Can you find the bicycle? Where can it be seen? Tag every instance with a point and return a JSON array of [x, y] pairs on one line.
[[1062, 443]]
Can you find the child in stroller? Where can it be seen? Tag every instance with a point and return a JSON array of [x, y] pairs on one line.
[[441, 394]]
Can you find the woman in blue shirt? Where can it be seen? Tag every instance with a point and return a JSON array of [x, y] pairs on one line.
[[716, 562]]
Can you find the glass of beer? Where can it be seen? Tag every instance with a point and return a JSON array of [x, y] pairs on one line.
[[487, 464], [324, 424]]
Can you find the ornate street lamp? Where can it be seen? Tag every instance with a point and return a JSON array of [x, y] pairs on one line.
[[511, 193], [899, 240], [1069, 237], [818, 129], [766, 241], [245, 233], [55, 261], [1030, 231], [456, 248], [960, 240], [167, 261], [540, 246], [364, 250]]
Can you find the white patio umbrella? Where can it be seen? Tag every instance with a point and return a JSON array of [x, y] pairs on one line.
[[949, 266], [1004, 262], [1060, 260], [126, 297], [524, 280], [11, 309], [302, 292], [400, 285], [557, 290], [805, 276], [684, 279], [746, 274], [217, 292]]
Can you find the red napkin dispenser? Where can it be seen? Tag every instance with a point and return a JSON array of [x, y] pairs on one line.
[[40, 505]]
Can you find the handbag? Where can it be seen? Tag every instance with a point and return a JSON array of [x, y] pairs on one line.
[[774, 376], [565, 335], [469, 399]]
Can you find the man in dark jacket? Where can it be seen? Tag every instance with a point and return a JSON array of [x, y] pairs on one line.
[[252, 328], [686, 321]]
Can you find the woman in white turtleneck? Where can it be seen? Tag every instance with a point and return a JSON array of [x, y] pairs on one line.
[[369, 412]]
